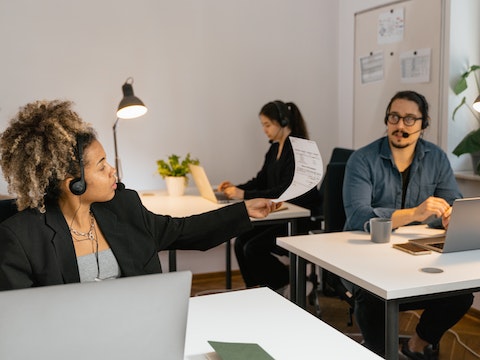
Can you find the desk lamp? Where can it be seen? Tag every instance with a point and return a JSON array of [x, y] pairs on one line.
[[476, 104], [130, 107]]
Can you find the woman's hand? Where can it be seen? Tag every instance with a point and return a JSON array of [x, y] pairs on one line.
[[260, 208], [234, 193], [231, 190], [224, 185]]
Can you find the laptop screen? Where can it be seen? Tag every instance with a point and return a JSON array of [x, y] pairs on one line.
[[141, 317]]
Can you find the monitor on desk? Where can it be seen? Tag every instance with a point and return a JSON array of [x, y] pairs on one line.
[[142, 317]]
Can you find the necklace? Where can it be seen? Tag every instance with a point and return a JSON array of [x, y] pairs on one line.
[[91, 235], [82, 236]]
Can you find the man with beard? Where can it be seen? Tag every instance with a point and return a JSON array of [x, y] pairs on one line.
[[405, 178]]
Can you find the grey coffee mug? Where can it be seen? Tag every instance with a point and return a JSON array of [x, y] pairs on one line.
[[380, 230]]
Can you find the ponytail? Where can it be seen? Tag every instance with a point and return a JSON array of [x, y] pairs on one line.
[[297, 124]]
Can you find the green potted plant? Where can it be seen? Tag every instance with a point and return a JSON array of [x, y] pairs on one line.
[[175, 171], [471, 142]]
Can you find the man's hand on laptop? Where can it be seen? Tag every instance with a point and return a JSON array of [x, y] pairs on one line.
[[446, 217], [431, 206], [260, 208]]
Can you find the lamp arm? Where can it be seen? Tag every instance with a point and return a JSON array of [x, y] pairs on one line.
[[117, 158]]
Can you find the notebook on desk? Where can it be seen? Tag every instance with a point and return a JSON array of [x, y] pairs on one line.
[[205, 188], [463, 230], [142, 317]]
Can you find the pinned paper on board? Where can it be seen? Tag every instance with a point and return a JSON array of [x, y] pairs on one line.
[[372, 67], [391, 26], [415, 66]]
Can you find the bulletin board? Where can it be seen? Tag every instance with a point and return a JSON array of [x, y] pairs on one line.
[[397, 47]]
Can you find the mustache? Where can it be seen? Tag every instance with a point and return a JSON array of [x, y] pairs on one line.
[[399, 132]]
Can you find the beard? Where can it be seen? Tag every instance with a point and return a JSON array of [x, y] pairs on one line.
[[396, 144]]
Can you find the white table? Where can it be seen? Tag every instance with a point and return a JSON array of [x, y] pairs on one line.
[[261, 316], [391, 274], [191, 204]]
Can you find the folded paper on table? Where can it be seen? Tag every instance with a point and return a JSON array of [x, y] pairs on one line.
[[239, 351]]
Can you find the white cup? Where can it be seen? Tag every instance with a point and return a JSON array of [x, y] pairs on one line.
[[380, 229]]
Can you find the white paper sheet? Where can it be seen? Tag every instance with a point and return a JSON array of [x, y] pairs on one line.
[[391, 26], [308, 168], [415, 66], [372, 67]]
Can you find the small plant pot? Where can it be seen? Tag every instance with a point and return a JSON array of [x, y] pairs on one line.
[[176, 185], [476, 162]]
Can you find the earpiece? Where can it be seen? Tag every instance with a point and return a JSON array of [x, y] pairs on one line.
[[415, 97], [78, 185], [284, 121]]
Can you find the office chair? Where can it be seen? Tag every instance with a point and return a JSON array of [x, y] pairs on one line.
[[333, 219]]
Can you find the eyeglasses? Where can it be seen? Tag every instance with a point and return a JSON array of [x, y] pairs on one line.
[[408, 120]]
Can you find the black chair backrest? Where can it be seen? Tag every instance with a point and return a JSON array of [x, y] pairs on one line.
[[333, 211], [8, 208], [339, 155]]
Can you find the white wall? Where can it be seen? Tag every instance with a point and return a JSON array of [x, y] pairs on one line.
[[204, 69], [464, 51]]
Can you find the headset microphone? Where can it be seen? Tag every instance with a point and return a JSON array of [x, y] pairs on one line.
[[278, 132], [406, 135]]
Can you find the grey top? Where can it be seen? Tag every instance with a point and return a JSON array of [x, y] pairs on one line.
[[98, 266]]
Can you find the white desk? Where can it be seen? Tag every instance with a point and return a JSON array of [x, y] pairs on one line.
[[191, 204], [391, 274], [261, 316]]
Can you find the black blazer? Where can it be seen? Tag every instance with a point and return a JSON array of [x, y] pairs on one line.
[[36, 249]]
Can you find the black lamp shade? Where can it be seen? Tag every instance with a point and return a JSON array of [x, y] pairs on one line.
[[130, 107]]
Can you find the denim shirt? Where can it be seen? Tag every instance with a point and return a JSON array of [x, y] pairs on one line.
[[373, 184]]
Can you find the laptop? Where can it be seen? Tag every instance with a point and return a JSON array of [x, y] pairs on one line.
[[463, 231], [141, 317], [205, 188]]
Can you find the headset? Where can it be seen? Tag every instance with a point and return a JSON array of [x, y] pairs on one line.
[[415, 97], [78, 185], [283, 118]]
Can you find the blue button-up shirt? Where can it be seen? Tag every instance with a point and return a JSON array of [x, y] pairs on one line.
[[373, 184]]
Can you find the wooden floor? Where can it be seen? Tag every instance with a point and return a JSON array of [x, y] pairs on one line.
[[454, 344]]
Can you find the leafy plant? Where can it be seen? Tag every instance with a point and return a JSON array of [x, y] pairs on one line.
[[471, 142], [174, 167]]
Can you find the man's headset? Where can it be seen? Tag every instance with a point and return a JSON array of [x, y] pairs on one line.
[[78, 185], [421, 102]]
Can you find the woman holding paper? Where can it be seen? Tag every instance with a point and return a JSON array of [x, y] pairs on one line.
[[255, 250], [76, 223]]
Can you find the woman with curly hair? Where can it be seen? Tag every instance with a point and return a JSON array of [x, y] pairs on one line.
[[75, 223]]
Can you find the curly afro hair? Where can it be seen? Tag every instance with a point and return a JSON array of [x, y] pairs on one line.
[[38, 151]]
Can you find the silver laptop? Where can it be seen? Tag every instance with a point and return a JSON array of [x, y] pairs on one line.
[[463, 230], [142, 317], [205, 188]]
